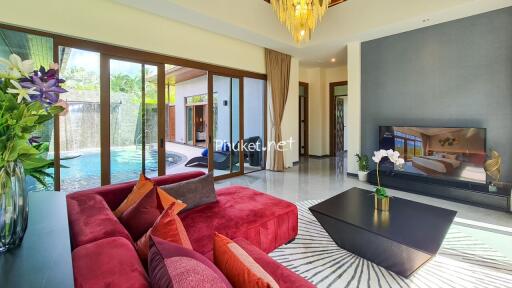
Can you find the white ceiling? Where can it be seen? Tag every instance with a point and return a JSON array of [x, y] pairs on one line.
[[254, 21]]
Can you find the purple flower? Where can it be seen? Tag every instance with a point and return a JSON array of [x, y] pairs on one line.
[[47, 90], [34, 140]]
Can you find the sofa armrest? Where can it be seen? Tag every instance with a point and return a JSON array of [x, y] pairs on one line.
[[115, 194]]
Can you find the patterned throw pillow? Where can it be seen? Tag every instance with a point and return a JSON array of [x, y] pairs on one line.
[[172, 265], [240, 269]]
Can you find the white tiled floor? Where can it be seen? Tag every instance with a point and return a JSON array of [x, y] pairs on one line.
[[318, 179]]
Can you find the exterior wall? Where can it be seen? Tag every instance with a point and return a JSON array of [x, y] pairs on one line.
[[192, 87]]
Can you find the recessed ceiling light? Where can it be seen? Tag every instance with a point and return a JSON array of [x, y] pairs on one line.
[[425, 20], [333, 60]]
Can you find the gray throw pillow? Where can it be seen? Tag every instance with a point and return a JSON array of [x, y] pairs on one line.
[[194, 192]]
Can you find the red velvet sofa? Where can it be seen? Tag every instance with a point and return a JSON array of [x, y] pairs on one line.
[[104, 255]]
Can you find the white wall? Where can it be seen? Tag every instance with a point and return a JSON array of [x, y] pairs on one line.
[[254, 93], [354, 92], [192, 87], [113, 23], [318, 79], [222, 89], [290, 123]]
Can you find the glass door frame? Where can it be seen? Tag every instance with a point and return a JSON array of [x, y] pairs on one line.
[[105, 113], [211, 164], [135, 55]]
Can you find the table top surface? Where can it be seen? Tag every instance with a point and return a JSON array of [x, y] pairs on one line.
[[416, 225], [44, 257]]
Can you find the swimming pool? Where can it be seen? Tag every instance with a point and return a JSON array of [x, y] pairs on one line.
[[84, 171]]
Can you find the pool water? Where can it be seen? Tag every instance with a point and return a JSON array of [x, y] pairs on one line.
[[84, 171]]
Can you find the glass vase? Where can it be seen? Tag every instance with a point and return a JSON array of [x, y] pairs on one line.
[[13, 206]]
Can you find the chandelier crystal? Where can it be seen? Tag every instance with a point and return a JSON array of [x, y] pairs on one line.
[[300, 16]]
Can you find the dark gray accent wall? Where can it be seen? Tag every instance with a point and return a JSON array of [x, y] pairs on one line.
[[455, 74]]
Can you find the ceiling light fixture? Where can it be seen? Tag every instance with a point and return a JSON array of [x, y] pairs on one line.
[[300, 16], [333, 60]]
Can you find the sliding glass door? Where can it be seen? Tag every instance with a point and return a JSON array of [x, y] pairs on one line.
[[133, 120], [80, 140], [225, 96], [129, 113]]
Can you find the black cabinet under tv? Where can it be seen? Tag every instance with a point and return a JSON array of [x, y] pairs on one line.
[[465, 192]]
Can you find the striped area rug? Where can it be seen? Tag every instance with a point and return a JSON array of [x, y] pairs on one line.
[[461, 262]]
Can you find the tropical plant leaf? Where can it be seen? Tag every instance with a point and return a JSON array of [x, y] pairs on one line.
[[40, 177], [35, 162]]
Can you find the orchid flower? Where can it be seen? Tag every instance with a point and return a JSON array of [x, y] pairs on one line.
[[23, 93], [393, 156], [17, 66], [48, 91], [378, 155]]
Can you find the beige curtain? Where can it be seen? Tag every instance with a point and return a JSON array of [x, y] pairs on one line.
[[278, 79]]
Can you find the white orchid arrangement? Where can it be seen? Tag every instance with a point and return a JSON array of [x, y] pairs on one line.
[[393, 156]]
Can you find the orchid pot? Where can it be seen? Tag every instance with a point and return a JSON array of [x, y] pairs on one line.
[[381, 197]]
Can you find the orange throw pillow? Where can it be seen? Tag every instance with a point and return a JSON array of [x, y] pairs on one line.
[[143, 186], [167, 200], [240, 269], [167, 227]]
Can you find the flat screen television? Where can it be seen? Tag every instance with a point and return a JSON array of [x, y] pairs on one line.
[[454, 153]]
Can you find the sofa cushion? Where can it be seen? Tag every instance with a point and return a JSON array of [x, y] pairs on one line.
[[167, 227], [90, 220], [194, 192], [110, 262], [285, 277], [139, 218], [240, 269], [265, 221], [143, 186], [172, 265]]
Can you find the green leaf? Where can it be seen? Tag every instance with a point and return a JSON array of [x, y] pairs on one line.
[[54, 110], [40, 177], [42, 147], [35, 162], [27, 149], [28, 121]]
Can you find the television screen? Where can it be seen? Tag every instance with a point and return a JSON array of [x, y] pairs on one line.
[[457, 153]]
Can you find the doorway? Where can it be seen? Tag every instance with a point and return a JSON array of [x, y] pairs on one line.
[[338, 98], [303, 118]]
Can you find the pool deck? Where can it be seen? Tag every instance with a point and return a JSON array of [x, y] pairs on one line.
[[187, 150]]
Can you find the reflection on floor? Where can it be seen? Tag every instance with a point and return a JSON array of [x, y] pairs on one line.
[[316, 179]]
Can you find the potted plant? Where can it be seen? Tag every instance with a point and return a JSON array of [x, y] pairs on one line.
[[28, 99], [364, 166], [381, 195]]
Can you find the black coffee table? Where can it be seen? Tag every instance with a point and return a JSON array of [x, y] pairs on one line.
[[401, 240]]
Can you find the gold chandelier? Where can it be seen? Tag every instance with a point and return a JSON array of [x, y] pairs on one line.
[[300, 16]]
